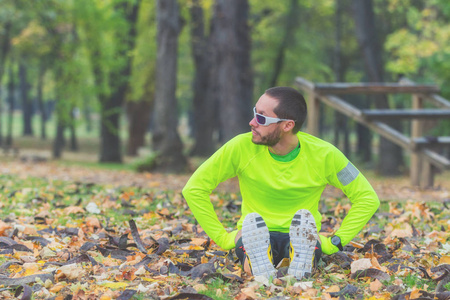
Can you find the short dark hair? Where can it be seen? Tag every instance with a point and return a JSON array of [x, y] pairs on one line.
[[291, 105]]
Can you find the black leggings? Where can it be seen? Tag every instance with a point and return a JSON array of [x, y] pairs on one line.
[[280, 243]]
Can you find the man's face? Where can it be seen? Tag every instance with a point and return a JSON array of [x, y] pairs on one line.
[[266, 135]]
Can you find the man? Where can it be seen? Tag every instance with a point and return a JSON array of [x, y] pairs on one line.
[[282, 173]]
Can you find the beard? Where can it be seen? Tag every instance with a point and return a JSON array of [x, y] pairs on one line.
[[271, 139]]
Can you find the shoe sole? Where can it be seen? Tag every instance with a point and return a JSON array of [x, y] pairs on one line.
[[256, 241], [303, 237]]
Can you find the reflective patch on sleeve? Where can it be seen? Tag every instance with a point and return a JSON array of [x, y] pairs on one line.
[[347, 174]]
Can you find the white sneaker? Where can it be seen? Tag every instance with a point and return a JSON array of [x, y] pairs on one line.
[[256, 241], [303, 238]]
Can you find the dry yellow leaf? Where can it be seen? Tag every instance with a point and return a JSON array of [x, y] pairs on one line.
[[164, 211], [72, 271], [114, 285], [378, 298], [93, 222], [375, 285], [377, 265], [30, 230], [30, 268], [444, 259], [356, 245], [415, 293], [73, 210], [56, 288], [199, 287], [311, 292], [3, 227], [401, 232], [204, 260], [326, 296], [249, 292], [332, 289], [198, 241], [238, 272]]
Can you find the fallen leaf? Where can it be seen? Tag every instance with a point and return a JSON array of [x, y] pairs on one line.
[[249, 293], [3, 227], [73, 210], [333, 288], [56, 288], [360, 264], [375, 285], [72, 271], [200, 287], [93, 222], [311, 292], [198, 241], [30, 268], [113, 285], [305, 285], [164, 211], [444, 260]]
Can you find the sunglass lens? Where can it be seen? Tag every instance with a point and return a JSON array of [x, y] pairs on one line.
[[260, 119]]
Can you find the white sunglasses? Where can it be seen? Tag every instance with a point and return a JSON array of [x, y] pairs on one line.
[[266, 121]]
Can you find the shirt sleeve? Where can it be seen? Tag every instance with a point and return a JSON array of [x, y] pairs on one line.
[[221, 166], [364, 201]]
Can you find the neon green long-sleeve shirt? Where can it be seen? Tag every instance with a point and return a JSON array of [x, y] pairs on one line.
[[276, 190]]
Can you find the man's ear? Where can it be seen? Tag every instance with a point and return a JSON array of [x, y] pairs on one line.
[[289, 125]]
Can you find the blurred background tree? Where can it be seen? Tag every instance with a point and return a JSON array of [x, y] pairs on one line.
[[97, 70]]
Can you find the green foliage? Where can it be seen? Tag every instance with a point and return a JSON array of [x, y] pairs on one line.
[[146, 163], [216, 285], [422, 47], [415, 281], [80, 46], [144, 55]]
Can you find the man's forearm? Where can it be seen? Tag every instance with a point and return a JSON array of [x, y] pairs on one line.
[[204, 213]]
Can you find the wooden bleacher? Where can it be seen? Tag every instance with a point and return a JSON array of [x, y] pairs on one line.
[[424, 160]]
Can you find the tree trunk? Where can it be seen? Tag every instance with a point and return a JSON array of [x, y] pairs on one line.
[[340, 121], [1, 118], [87, 116], [59, 142], [138, 119], [73, 132], [4, 49], [364, 135], [290, 26], [234, 85], [390, 155], [40, 86], [203, 100], [111, 108], [364, 143], [27, 105], [110, 147], [11, 104], [166, 140]]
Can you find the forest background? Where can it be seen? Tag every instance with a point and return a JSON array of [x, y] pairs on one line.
[[163, 84], [179, 78]]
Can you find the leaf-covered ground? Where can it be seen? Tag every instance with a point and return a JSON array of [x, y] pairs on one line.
[[78, 233]]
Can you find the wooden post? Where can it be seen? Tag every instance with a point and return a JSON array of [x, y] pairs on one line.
[[416, 131], [313, 114], [427, 176]]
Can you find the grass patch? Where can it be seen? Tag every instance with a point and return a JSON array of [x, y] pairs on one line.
[[217, 289]]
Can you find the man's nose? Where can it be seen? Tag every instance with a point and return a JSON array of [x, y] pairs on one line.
[[253, 122]]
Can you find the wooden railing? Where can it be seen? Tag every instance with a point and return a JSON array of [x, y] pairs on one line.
[[424, 161]]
